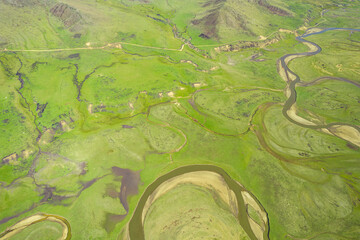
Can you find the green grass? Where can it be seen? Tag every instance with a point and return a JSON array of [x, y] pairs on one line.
[[42, 230], [81, 112], [230, 111], [198, 214], [334, 105], [291, 140], [18, 198], [338, 58]]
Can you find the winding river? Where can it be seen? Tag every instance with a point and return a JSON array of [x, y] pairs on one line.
[[40, 217], [243, 198], [345, 131]]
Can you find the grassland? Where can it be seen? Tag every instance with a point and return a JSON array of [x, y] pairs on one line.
[[197, 207], [42, 230], [100, 100], [338, 57]]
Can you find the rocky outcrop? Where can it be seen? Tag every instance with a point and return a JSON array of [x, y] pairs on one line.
[[217, 14], [247, 44], [40, 108], [273, 9], [11, 159], [68, 15]]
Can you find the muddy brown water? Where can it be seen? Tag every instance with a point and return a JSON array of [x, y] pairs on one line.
[[135, 227], [292, 83], [34, 219], [129, 186]]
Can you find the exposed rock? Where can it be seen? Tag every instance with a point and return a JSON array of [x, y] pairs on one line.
[[40, 108], [64, 126], [219, 16], [11, 159], [157, 19], [246, 44], [75, 55], [189, 62], [184, 40], [218, 13], [204, 36], [26, 153], [255, 58], [77, 35], [273, 9], [35, 65], [68, 15]]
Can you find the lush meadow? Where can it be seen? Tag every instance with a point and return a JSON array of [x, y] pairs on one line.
[[100, 98]]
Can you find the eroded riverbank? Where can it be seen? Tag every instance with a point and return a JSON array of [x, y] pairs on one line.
[[347, 132], [231, 192], [37, 218]]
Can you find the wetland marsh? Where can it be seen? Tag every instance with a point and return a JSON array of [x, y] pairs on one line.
[[174, 120]]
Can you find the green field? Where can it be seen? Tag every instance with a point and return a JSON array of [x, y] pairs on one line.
[[206, 217], [100, 98]]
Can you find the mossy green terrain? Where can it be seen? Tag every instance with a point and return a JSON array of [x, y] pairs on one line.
[[338, 58], [335, 106], [197, 214], [42, 230], [100, 98]]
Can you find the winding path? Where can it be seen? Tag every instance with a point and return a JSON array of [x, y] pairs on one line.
[[110, 45]]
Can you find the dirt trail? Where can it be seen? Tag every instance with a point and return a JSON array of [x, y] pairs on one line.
[[117, 45]]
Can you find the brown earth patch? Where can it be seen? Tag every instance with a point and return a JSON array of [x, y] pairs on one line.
[[68, 15]]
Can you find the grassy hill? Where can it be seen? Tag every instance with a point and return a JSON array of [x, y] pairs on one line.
[[57, 24]]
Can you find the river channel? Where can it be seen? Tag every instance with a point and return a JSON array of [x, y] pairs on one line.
[[243, 198], [347, 132]]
